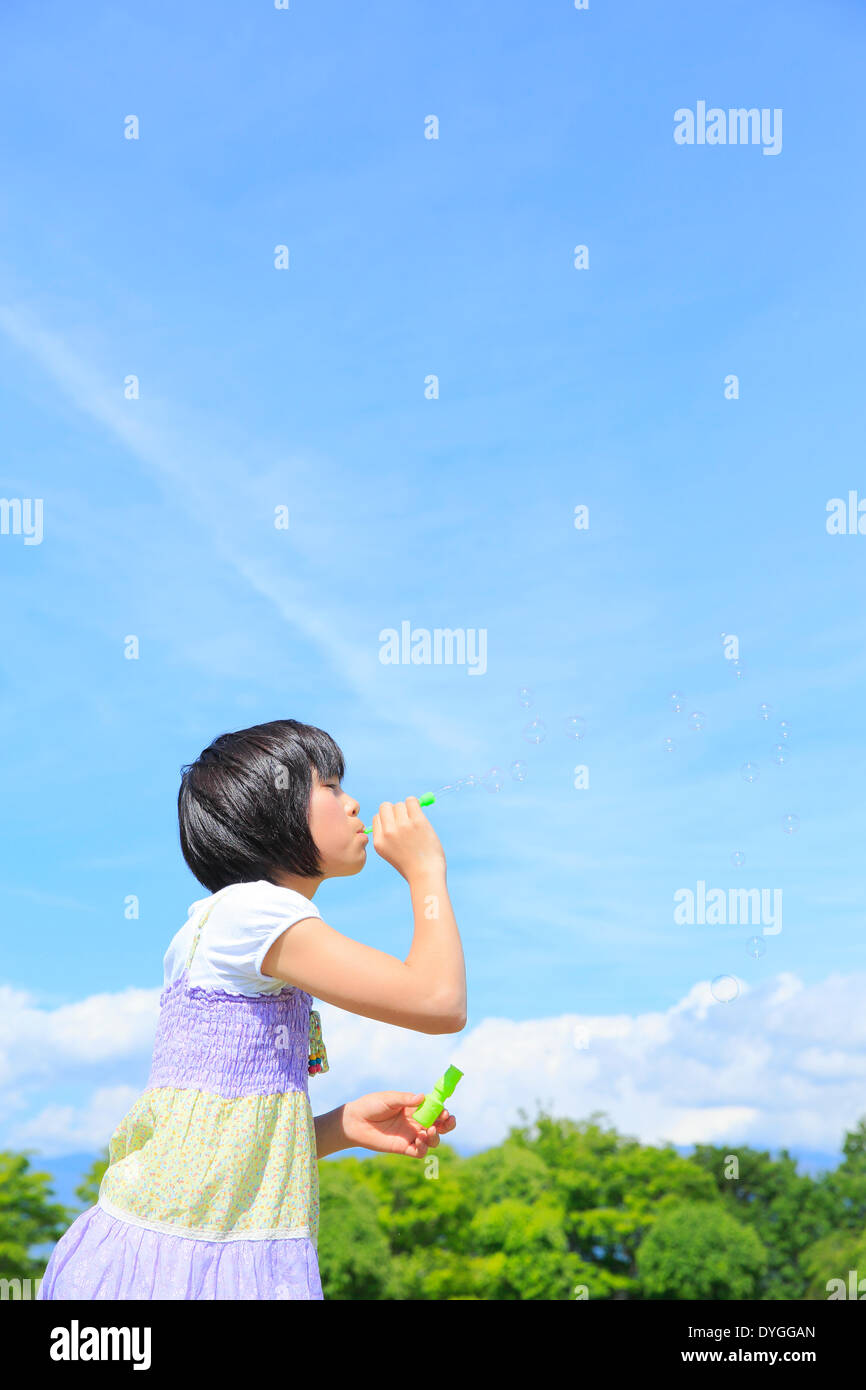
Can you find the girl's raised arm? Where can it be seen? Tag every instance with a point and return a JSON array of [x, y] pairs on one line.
[[427, 991]]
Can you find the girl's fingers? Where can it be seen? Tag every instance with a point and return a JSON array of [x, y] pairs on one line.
[[429, 1138]]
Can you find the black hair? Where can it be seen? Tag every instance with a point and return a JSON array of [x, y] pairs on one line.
[[243, 804]]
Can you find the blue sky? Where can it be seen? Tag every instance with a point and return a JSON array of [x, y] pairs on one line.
[[305, 388]]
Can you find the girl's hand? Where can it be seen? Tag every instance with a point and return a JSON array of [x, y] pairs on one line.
[[382, 1121], [404, 837]]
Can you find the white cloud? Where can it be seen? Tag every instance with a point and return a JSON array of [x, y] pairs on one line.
[[61, 1129], [700, 1071], [42, 1046]]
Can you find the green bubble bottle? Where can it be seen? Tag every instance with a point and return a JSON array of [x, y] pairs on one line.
[[433, 1103]]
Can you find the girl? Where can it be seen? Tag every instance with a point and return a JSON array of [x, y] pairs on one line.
[[211, 1190]]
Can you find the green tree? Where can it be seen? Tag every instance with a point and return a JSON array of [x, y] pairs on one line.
[[28, 1217], [832, 1259], [698, 1250], [554, 1207], [846, 1185], [788, 1210], [87, 1190], [841, 1247], [613, 1190], [354, 1252], [560, 1209]]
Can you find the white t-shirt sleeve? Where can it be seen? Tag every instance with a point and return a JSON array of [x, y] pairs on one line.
[[242, 928]]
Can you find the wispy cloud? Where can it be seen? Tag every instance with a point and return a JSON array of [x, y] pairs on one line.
[[197, 474], [35, 895]]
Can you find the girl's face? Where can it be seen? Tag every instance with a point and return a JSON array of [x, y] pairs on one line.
[[336, 828]]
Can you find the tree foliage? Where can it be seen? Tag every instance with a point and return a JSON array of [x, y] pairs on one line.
[[28, 1216], [561, 1209]]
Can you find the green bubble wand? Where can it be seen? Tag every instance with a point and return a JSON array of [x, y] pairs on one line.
[[433, 1103], [422, 801]]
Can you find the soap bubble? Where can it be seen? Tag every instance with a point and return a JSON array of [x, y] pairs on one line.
[[492, 780], [784, 728], [765, 711], [575, 727], [677, 700], [738, 859], [737, 669], [519, 771], [750, 772], [669, 745], [535, 732], [524, 697], [697, 721], [790, 823], [470, 781], [724, 988], [441, 791], [756, 946], [780, 754]]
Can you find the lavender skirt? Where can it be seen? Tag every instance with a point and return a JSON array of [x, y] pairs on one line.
[[102, 1257]]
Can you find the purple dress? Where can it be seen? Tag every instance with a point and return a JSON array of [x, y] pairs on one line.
[[212, 1186]]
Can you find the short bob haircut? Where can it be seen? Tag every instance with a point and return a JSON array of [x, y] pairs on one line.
[[243, 804]]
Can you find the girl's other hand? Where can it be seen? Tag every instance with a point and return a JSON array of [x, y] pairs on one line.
[[382, 1121], [404, 837]]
